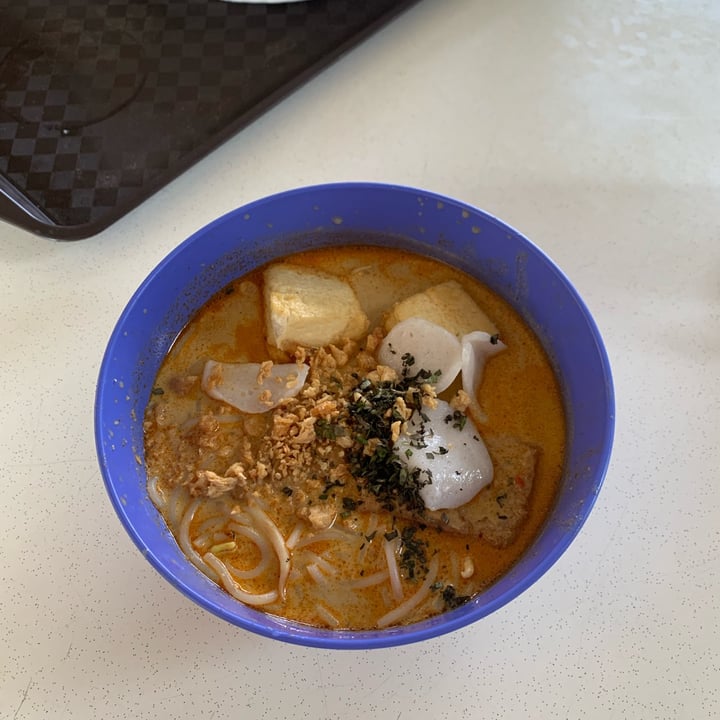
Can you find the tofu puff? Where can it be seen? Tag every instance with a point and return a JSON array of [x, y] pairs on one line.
[[299, 471]]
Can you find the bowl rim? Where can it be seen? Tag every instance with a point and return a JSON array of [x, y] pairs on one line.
[[309, 636]]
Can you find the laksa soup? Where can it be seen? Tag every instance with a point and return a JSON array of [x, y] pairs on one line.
[[355, 437]]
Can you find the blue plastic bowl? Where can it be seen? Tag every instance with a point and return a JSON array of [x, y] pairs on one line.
[[319, 216]]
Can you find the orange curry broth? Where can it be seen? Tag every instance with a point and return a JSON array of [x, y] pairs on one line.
[[519, 394]]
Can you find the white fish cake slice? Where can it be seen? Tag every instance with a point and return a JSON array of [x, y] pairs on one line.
[[477, 348], [253, 387], [450, 453], [433, 348]]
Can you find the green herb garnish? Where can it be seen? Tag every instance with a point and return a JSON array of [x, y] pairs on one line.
[[452, 599], [326, 430], [413, 558]]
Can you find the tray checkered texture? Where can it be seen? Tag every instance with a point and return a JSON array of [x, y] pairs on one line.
[[103, 102]]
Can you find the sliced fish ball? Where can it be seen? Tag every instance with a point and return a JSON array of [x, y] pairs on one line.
[[448, 450], [477, 347], [432, 347], [253, 387]]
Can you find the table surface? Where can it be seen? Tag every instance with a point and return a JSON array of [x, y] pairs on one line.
[[594, 128]]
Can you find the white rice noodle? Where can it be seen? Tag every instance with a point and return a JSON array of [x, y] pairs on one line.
[[372, 532], [233, 588], [325, 535], [295, 536], [369, 580], [271, 531], [210, 525], [327, 567], [405, 608], [241, 517], [207, 531], [391, 547], [155, 495], [326, 616], [177, 505], [263, 545], [183, 536], [372, 525], [316, 574], [202, 541]]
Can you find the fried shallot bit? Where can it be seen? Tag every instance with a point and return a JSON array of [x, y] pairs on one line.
[[305, 433], [373, 340], [366, 361], [212, 485], [381, 374], [340, 356], [323, 360], [264, 372], [326, 407], [461, 401], [311, 389], [400, 408], [395, 430]]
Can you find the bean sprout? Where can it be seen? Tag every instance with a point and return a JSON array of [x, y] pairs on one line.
[[369, 580], [314, 572], [321, 562], [327, 616]]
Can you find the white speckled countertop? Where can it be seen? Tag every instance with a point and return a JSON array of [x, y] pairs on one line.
[[594, 128]]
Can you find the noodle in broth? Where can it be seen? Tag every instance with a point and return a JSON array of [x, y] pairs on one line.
[[285, 509]]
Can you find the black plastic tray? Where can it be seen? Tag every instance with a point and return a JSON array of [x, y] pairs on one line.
[[102, 102]]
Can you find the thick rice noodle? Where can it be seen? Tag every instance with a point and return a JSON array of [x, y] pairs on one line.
[[277, 507]]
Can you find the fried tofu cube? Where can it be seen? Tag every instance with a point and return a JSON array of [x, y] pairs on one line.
[[447, 305], [309, 308]]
